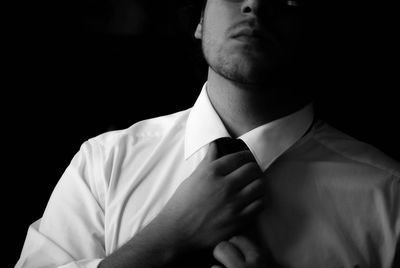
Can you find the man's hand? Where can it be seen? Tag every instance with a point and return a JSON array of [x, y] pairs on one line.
[[211, 205], [239, 252], [215, 201]]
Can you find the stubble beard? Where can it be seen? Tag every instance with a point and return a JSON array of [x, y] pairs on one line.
[[238, 66]]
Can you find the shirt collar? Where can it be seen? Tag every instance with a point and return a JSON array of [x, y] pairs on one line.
[[266, 142]]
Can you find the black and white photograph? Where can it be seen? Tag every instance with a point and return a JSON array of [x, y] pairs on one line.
[[201, 134]]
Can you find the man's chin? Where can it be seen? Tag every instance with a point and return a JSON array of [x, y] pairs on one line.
[[251, 68], [254, 73], [249, 78], [252, 61], [265, 75]]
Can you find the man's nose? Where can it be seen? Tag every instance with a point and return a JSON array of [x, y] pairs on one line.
[[251, 6], [257, 8]]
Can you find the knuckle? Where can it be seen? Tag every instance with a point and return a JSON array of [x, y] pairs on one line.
[[258, 183], [236, 239], [258, 202], [253, 165], [221, 247], [258, 206]]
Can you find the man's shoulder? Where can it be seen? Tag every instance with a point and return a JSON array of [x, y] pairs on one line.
[[151, 129], [354, 150]]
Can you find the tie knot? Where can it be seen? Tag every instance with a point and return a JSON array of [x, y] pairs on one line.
[[228, 145]]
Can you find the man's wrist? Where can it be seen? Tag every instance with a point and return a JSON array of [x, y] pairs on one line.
[[166, 235], [154, 246]]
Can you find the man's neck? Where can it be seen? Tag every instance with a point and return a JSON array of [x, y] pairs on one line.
[[243, 107]]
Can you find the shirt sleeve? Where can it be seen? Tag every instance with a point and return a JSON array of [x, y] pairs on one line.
[[396, 216], [71, 231]]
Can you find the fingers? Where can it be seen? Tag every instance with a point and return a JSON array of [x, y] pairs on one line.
[[244, 175], [251, 210], [230, 162], [249, 250], [252, 192], [229, 255]]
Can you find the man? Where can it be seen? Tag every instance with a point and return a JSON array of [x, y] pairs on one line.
[[304, 194]]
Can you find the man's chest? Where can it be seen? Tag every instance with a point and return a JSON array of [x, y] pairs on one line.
[[313, 219], [305, 223]]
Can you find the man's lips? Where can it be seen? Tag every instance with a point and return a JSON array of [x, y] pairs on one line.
[[252, 34], [245, 37], [247, 32]]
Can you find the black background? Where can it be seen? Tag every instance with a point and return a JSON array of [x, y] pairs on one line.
[[75, 70]]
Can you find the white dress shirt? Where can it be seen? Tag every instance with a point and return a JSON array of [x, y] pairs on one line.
[[332, 201]]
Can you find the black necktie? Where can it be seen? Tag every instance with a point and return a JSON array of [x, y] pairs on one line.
[[205, 258], [228, 145]]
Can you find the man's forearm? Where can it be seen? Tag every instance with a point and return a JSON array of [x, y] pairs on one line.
[[147, 249]]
